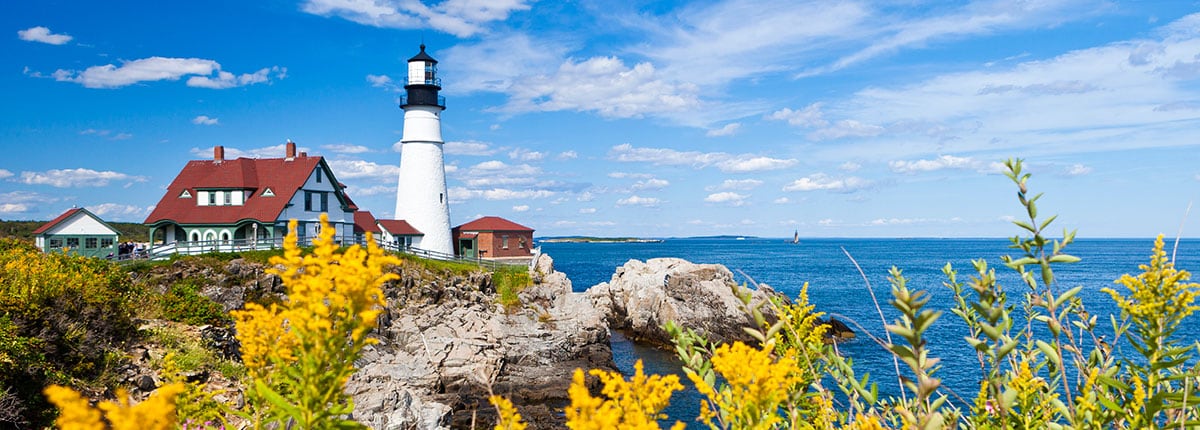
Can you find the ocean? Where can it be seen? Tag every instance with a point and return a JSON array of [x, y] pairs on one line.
[[836, 287]]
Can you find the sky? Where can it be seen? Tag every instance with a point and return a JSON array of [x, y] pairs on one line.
[[638, 118]]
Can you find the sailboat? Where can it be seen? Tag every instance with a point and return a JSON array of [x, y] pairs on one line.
[[796, 237]]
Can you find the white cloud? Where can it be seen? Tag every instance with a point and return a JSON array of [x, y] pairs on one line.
[[462, 18], [356, 169], [496, 63], [1078, 170], [821, 181], [373, 190], [43, 35], [635, 200], [520, 208], [736, 184], [808, 117], [587, 210], [727, 197], [383, 81], [26, 197], [495, 167], [205, 120], [623, 175], [727, 130], [493, 181], [109, 134], [781, 200], [723, 161], [11, 208], [939, 163], [568, 155], [119, 211], [5, 174], [462, 194], [345, 148], [603, 85], [651, 184], [849, 166], [467, 148], [526, 155], [66, 178], [162, 68]]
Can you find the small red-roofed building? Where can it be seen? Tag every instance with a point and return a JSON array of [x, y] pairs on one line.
[[398, 233], [365, 222], [77, 231], [492, 237], [225, 205]]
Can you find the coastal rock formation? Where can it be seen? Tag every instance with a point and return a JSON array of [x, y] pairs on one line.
[[444, 345], [642, 296]]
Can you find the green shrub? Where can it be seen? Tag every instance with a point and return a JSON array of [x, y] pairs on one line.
[[509, 281], [182, 302]]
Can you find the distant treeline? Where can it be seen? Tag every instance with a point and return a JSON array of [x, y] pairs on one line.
[[24, 230]]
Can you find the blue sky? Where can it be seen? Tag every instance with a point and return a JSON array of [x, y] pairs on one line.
[[849, 118]]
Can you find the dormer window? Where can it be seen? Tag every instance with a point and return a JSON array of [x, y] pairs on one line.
[[185, 194], [268, 193], [212, 198]]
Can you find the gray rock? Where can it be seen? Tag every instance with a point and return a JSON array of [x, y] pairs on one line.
[[642, 296]]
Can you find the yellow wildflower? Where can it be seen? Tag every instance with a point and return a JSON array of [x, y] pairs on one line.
[[156, 413], [628, 405], [1159, 291], [509, 418]]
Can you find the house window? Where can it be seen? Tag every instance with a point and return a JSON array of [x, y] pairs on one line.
[[212, 198], [185, 195], [90, 243], [225, 236], [521, 243], [72, 242], [195, 236], [504, 241], [318, 175], [324, 202], [308, 201], [268, 193], [106, 243], [55, 243], [228, 198]]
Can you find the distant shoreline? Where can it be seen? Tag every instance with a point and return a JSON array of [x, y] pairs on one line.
[[599, 240]]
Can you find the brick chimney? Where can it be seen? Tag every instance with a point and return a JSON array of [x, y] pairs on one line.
[[303, 154], [291, 149], [218, 153]]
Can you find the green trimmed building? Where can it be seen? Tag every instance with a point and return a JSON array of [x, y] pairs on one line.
[[80, 232]]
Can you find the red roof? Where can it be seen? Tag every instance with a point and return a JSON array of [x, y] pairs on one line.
[[283, 176], [55, 221], [399, 227], [492, 223], [364, 222], [66, 215]]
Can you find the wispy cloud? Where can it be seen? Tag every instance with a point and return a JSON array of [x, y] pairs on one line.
[[362, 169], [526, 155], [205, 120], [73, 178], [651, 184], [728, 130], [939, 163], [345, 148], [520, 208], [274, 151], [636, 200], [462, 18], [727, 197], [723, 161], [468, 148], [203, 74], [604, 85], [43, 35], [736, 184], [821, 181], [118, 211], [5, 174]]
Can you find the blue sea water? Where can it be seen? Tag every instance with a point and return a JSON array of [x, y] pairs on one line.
[[836, 287]]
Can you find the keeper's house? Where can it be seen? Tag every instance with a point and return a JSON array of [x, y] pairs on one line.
[[77, 231], [493, 237], [226, 205]]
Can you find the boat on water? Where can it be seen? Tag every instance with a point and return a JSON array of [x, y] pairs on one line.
[[796, 237]]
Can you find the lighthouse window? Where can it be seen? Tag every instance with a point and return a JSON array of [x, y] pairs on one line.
[[440, 197]]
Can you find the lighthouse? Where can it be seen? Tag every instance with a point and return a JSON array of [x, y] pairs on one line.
[[421, 197]]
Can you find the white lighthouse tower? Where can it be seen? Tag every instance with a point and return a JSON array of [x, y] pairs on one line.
[[421, 197]]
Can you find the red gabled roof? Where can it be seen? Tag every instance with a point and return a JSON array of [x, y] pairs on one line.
[[283, 176], [364, 222], [55, 221], [399, 227], [492, 223], [67, 215]]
